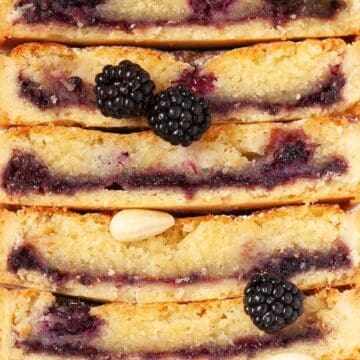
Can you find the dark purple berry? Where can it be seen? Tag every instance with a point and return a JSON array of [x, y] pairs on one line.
[[205, 9], [272, 303], [293, 151], [23, 257], [123, 91], [39, 11], [178, 115], [69, 318]]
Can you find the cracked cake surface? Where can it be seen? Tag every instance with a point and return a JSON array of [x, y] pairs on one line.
[[197, 259], [50, 327], [266, 82], [232, 166], [180, 22]]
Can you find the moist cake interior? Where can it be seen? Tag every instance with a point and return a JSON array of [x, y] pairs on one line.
[[288, 157]]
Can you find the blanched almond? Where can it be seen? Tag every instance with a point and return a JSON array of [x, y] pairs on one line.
[[135, 224]]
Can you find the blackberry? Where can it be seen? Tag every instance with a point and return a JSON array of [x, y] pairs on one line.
[[272, 303], [178, 115], [123, 91]]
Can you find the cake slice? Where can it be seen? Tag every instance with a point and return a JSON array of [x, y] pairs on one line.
[[266, 82], [40, 326], [197, 259], [231, 167], [176, 22]]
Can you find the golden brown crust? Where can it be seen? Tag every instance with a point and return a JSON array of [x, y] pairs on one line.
[[312, 126], [4, 62], [260, 215], [4, 8], [256, 50], [289, 47], [231, 130], [49, 48]]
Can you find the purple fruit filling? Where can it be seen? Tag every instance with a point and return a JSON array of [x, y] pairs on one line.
[[252, 344], [204, 12], [69, 318], [69, 350], [249, 345], [73, 91], [285, 10], [289, 263], [202, 84], [25, 257], [327, 93], [25, 174], [288, 157], [71, 12], [66, 329], [57, 92]]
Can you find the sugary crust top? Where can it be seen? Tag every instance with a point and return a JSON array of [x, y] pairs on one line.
[[328, 298], [261, 216], [255, 52], [231, 130], [42, 49]]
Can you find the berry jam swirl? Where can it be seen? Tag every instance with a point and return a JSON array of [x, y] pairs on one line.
[[289, 262], [327, 93], [55, 92], [67, 330], [250, 345], [58, 92], [201, 12], [289, 156]]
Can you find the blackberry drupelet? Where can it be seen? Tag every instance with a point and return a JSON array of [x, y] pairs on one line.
[[272, 303], [178, 115], [123, 91]]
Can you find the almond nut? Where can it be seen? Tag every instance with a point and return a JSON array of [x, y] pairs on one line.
[[134, 225]]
